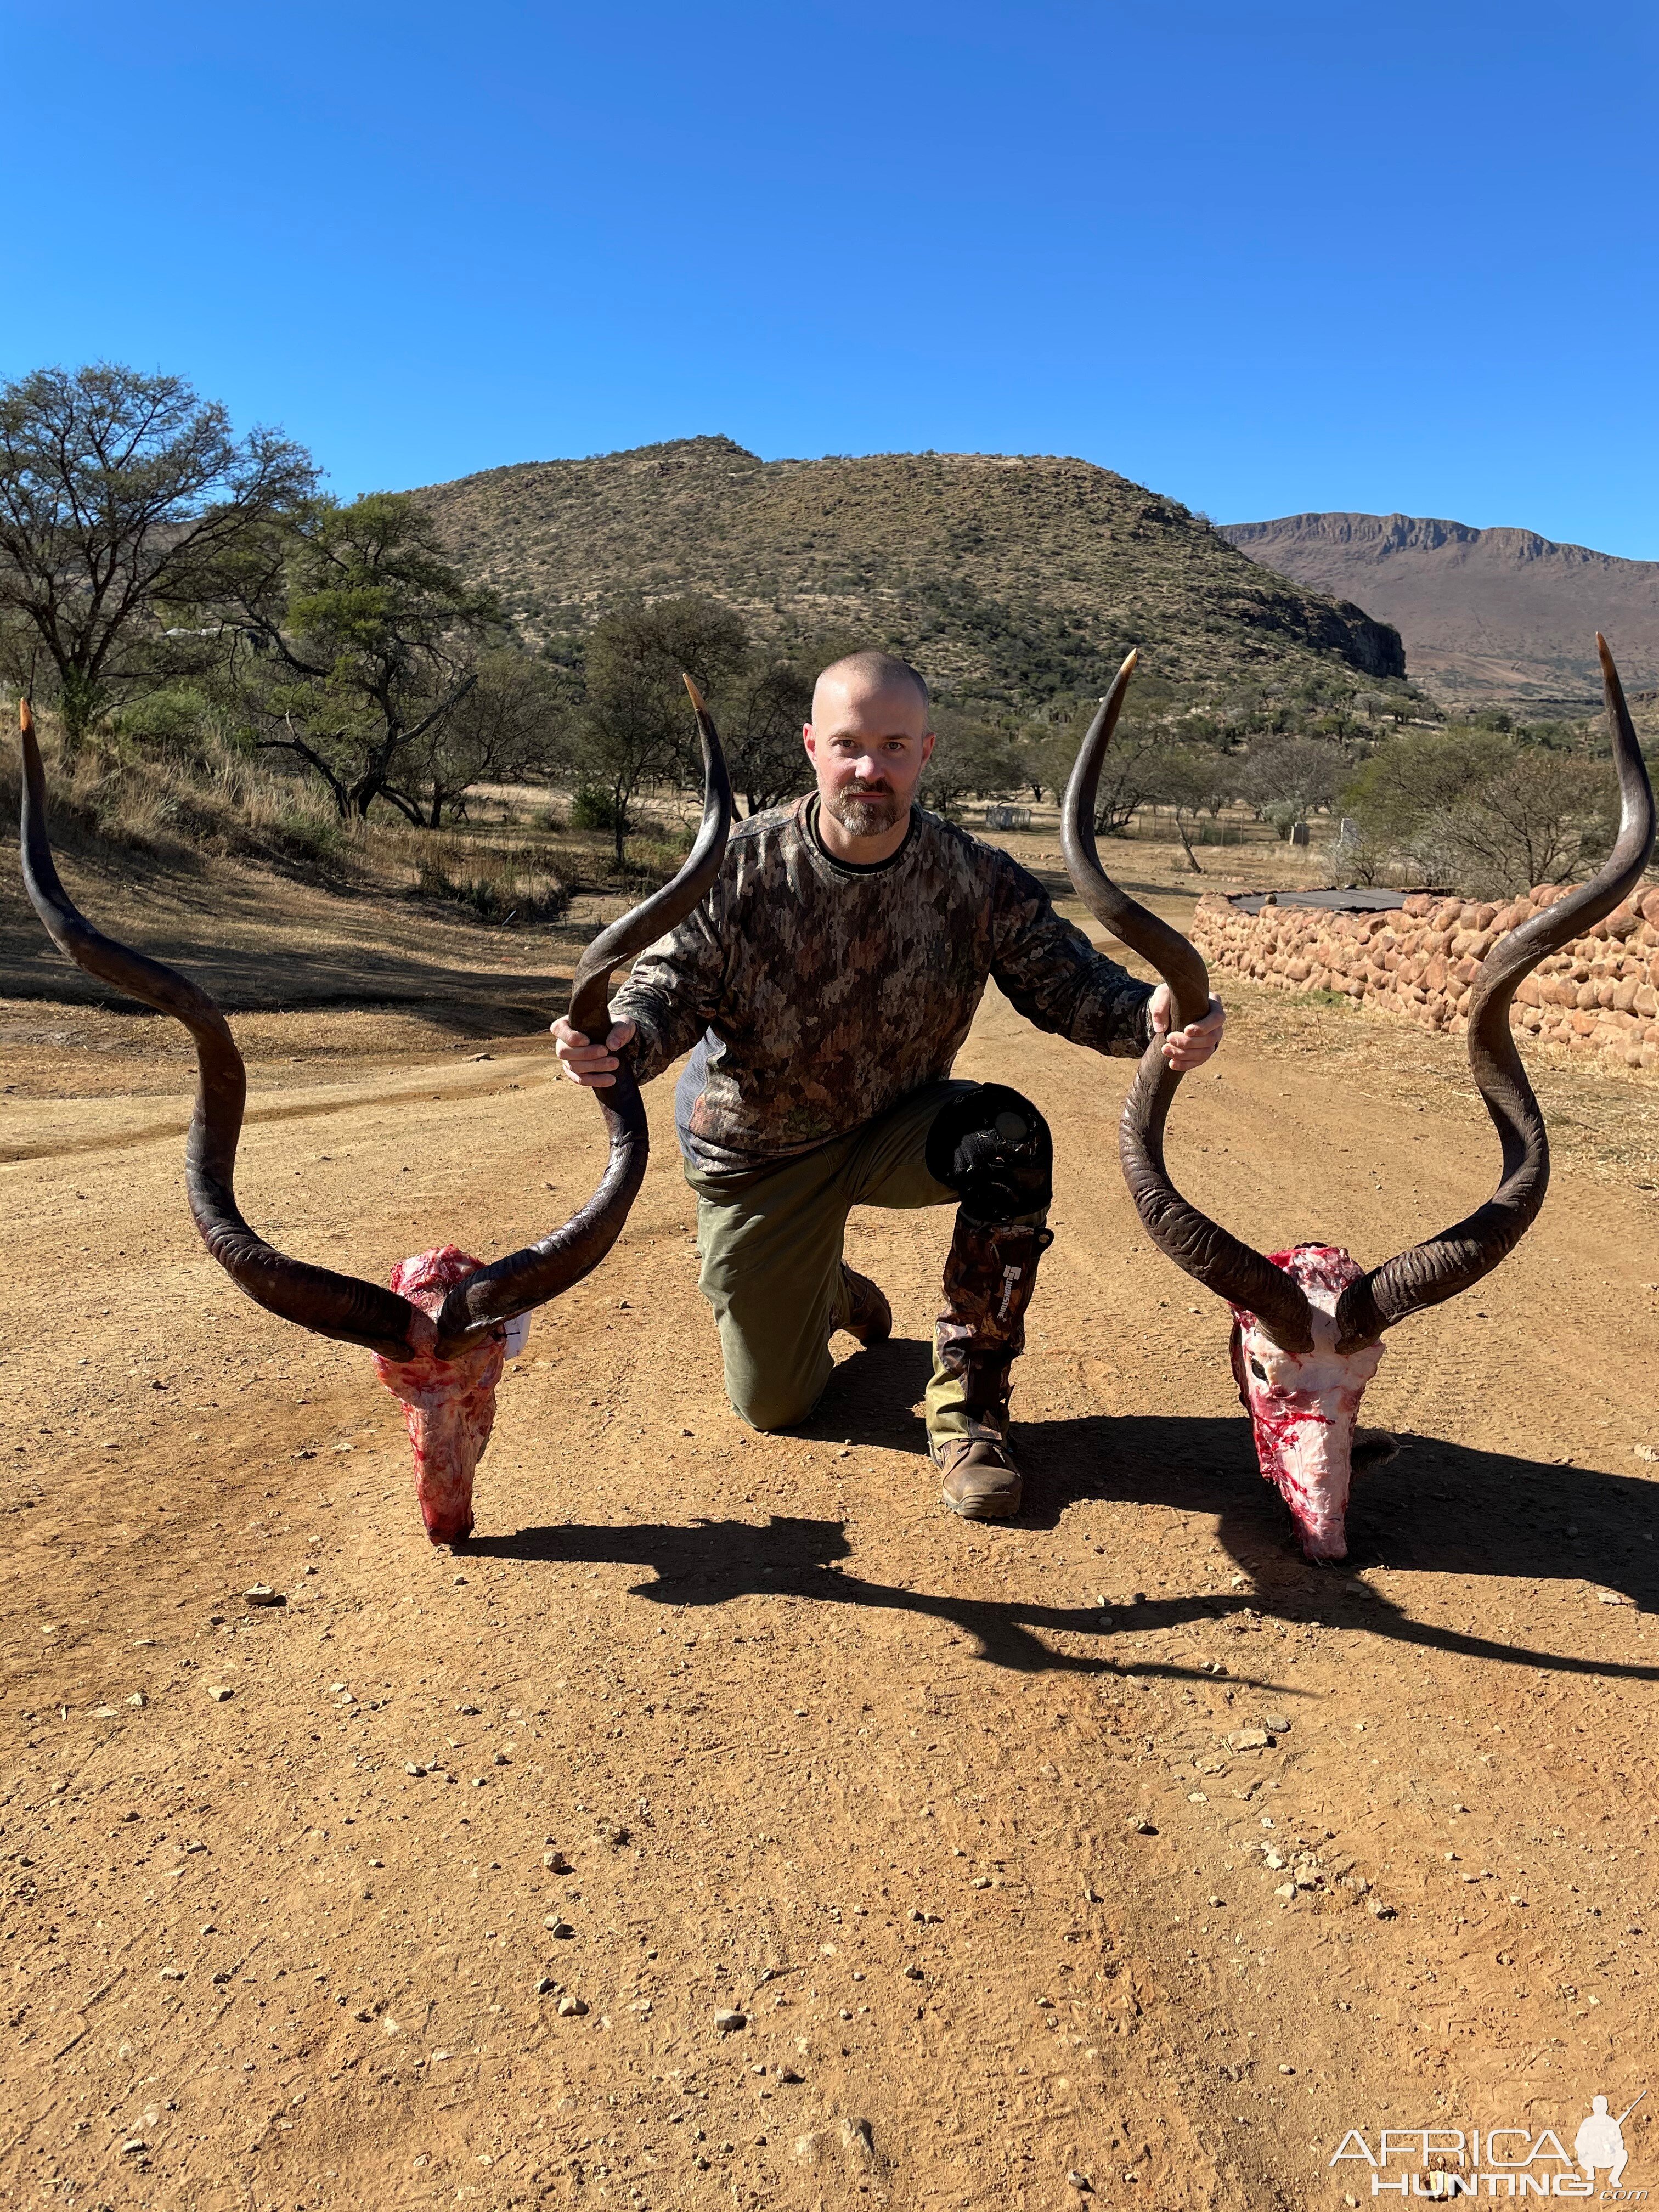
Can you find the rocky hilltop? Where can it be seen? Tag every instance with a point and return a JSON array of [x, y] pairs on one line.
[[1489, 617], [1005, 578]]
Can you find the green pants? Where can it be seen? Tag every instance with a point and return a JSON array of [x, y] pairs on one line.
[[770, 1244]]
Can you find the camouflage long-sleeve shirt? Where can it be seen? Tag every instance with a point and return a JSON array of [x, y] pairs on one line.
[[818, 995]]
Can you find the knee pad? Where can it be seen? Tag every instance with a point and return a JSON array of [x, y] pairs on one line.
[[993, 1148]]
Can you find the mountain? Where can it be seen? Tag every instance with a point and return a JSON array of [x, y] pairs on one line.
[[1489, 617], [1008, 579]]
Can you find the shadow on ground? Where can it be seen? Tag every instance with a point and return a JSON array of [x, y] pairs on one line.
[[1438, 1509]]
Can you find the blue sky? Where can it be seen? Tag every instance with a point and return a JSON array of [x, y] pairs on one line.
[[1264, 257]]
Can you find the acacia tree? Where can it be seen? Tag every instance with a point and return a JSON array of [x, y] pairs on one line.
[[1482, 809], [763, 711], [1287, 779], [1190, 781], [1544, 817], [972, 755], [118, 490], [514, 722], [635, 726], [1127, 771], [365, 639], [1032, 745]]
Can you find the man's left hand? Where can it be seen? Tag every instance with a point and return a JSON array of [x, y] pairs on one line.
[[1186, 1049]]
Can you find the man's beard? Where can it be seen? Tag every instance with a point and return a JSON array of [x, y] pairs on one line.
[[865, 813]]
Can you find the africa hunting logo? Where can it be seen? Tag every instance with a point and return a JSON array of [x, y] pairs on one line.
[[1447, 2162]]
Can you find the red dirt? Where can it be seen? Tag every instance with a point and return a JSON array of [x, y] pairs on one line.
[[816, 1751]]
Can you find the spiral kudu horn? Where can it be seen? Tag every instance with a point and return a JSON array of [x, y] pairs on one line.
[[1206, 1251], [529, 1278], [1441, 1265], [341, 1306], [316, 1299]]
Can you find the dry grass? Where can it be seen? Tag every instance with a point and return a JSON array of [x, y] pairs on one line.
[[510, 862], [221, 802]]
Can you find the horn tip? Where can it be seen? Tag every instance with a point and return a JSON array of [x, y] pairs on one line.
[[697, 696], [25, 718]]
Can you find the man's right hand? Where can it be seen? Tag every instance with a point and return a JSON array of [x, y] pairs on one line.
[[592, 1066]]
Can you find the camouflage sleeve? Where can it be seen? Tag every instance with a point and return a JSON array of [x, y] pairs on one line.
[[1051, 973], [672, 995]]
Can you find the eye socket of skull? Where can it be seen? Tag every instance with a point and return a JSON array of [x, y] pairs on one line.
[[1267, 1369], [1270, 1365]]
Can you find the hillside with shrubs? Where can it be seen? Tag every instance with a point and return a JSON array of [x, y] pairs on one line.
[[474, 693]]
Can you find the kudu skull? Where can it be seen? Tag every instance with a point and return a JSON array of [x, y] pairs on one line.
[[438, 1333], [1308, 1322]]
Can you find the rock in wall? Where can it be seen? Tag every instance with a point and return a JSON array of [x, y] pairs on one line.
[[1600, 994]]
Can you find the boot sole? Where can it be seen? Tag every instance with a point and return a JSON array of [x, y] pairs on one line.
[[982, 1508]]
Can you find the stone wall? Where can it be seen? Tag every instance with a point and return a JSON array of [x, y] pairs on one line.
[[1599, 995]]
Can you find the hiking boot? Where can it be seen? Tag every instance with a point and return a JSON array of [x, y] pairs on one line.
[[869, 1317], [982, 1482], [989, 1275]]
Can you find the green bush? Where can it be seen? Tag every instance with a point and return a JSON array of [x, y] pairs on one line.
[[593, 809], [176, 719], [295, 836]]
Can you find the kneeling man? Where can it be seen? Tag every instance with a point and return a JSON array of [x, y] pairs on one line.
[[824, 988]]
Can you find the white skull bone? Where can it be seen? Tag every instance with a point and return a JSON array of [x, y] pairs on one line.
[[1304, 1405]]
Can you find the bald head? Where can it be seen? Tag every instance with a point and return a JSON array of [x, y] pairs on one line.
[[866, 676], [868, 741]]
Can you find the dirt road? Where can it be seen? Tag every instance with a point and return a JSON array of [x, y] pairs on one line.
[[1117, 1844]]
